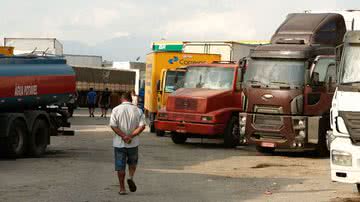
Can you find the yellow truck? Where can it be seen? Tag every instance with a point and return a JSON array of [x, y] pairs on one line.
[[6, 50], [156, 91]]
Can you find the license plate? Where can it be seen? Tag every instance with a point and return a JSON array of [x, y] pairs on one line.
[[181, 131], [267, 144]]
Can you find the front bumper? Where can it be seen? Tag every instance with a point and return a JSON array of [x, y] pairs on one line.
[[286, 135], [345, 174], [191, 128]]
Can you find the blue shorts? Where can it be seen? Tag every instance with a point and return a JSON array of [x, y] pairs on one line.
[[125, 155]]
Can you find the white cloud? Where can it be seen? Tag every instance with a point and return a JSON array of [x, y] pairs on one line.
[[231, 25], [120, 34], [94, 17]]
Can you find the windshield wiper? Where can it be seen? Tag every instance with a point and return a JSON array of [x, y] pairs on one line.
[[349, 83], [279, 82], [282, 84], [253, 81]]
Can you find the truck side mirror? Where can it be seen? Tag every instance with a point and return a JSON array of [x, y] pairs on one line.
[[158, 86], [315, 78], [307, 77], [330, 82]]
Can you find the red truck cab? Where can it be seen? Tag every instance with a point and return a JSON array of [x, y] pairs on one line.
[[206, 106]]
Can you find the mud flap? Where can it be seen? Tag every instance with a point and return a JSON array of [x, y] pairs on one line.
[[313, 129]]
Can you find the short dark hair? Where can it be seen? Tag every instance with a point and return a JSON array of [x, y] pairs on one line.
[[91, 89], [126, 96]]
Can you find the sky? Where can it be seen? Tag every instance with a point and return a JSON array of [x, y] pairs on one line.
[[123, 30]]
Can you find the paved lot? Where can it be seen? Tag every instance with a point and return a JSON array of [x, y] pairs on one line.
[[80, 168]]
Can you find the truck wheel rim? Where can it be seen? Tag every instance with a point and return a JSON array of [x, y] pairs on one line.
[[16, 139], [236, 131]]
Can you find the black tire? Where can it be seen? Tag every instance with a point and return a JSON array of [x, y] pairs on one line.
[[178, 138], [152, 123], [39, 138], [321, 148], [152, 127], [232, 133], [358, 188], [16, 142], [265, 150], [160, 133]]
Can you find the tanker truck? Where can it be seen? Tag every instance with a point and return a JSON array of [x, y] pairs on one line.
[[32, 91]]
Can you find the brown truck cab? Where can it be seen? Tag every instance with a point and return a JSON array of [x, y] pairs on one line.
[[207, 106], [289, 84]]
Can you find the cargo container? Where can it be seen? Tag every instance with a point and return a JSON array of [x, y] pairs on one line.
[[155, 63], [229, 50], [50, 46], [84, 60], [117, 81]]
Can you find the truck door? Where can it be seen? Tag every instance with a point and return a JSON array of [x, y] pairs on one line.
[[160, 89], [170, 82], [238, 89], [320, 90]]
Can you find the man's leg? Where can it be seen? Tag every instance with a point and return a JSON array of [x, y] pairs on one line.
[[120, 165], [92, 111], [89, 110], [105, 109], [132, 162], [121, 177], [132, 170]]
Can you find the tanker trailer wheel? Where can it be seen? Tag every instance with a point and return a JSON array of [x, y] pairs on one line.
[[16, 142], [160, 133], [178, 138], [39, 138], [152, 123], [232, 133], [152, 128]]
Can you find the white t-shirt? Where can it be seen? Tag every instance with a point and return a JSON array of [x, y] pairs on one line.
[[127, 117]]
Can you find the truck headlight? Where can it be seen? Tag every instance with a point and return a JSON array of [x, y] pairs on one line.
[[206, 118], [341, 158], [299, 124], [243, 121], [340, 125]]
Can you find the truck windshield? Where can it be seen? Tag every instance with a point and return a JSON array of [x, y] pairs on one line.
[[275, 72], [351, 65], [174, 80], [209, 77]]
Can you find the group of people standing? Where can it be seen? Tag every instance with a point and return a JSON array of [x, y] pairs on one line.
[[103, 102]]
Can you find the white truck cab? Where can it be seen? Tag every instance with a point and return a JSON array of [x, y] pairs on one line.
[[344, 138]]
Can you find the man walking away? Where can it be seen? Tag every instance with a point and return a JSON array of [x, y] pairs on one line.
[[105, 102], [127, 121], [91, 101]]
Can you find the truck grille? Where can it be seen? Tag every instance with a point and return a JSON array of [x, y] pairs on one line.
[[186, 104], [352, 122], [268, 119], [182, 117], [268, 136]]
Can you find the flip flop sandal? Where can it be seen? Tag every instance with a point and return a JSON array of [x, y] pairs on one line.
[[122, 193], [132, 185]]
